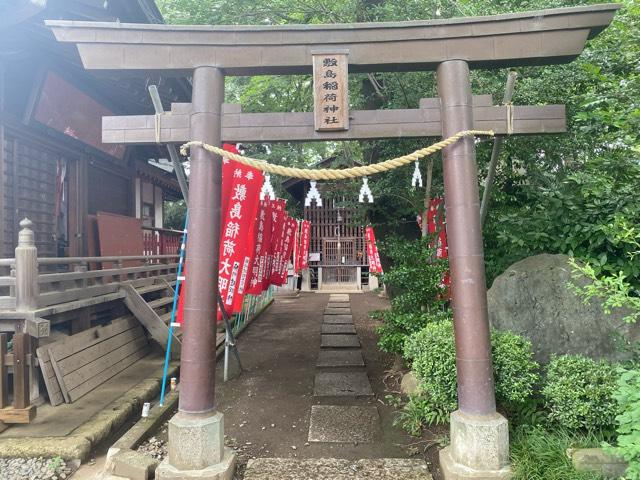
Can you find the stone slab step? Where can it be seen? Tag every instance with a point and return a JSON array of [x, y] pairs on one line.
[[336, 469], [339, 358], [344, 424], [337, 311], [340, 341], [338, 305], [339, 297], [337, 319], [339, 328], [342, 384]]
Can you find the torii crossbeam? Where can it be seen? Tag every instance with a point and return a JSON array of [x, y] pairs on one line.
[[479, 436]]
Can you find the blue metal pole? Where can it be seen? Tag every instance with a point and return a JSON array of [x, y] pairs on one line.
[[176, 295]]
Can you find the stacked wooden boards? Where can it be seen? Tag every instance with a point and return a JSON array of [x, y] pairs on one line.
[[76, 365]]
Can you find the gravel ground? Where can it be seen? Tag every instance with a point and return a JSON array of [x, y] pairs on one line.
[[35, 469]]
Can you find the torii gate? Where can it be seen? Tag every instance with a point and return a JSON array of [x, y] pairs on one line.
[[479, 436]]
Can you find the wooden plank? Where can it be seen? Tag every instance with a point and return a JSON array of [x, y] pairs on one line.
[[88, 338], [86, 356], [4, 384], [7, 303], [76, 378], [63, 388], [18, 415], [91, 274], [52, 298], [49, 376], [330, 90], [20, 371], [108, 373], [70, 306], [148, 317]]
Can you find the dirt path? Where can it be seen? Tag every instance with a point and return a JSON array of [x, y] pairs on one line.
[[267, 408]]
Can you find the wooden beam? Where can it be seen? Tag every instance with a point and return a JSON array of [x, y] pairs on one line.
[[18, 415], [4, 384], [364, 124], [525, 38], [20, 371]]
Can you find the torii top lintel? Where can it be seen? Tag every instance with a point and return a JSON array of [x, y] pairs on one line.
[[527, 38]]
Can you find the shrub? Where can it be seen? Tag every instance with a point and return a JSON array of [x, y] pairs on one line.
[[433, 355], [432, 352], [398, 326], [627, 397], [578, 392], [514, 370], [540, 454]]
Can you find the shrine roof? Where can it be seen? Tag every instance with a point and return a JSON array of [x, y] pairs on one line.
[[524, 38]]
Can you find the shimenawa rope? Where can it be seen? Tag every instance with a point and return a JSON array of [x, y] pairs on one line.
[[336, 174]]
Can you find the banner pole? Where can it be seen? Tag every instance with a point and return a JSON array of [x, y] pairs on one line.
[[176, 294]]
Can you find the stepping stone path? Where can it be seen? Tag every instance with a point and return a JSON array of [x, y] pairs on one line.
[[340, 358], [341, 374], [336, 329], [336, 469], [340, 424], [346, 413], [338, 319]]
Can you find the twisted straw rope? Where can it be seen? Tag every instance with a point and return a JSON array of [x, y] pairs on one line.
[[331, 173]]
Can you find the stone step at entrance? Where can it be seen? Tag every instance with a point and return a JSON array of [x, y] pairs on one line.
[[344, 424], [340, 358], [337, 311], [338, 328], [342, 384], [340, 341], [339, 297], [337, 319], [338, 305], [336, 469]]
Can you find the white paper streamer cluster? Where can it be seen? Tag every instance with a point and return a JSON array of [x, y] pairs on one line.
[[267, 188], [312, 195], [365, 191]]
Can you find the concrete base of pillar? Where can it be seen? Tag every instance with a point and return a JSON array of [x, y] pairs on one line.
[[196, 441], [220, 471], [479, 448]]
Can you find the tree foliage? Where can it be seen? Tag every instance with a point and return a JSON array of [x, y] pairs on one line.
[[553, 193]]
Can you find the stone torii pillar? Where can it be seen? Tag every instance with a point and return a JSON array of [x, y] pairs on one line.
[[479, 436], [196, 432]]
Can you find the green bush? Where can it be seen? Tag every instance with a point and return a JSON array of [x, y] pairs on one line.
[[578, 392], [397, 327], [540, 454], [627, 397], [514, 370], [433, 356]]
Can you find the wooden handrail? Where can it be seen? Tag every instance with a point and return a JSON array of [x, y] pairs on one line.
[[163, 230], [70, 260]]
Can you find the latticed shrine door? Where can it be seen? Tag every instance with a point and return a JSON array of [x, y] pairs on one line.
[[339, 262]]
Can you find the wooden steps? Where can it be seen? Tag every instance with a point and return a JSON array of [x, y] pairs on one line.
[[76, 365]]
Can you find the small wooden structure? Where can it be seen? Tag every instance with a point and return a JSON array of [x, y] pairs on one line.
[[337, 251]]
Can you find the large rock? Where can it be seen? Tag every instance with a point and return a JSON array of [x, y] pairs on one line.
[[532, 299]]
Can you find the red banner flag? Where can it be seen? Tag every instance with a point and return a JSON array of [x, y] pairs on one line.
[[278, 228], [372, 251], [305, 240], [296, 249], [236, 233], [436, 225], [287, 249], [263, 241]]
